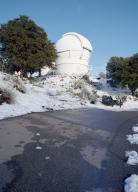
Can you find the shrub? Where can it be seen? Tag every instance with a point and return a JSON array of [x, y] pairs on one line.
[[16, 82], [18, 85], [108, 100], [5, 97], [136, 93], [85, 93], [79, 84], [87, 79], [93, 99], [120, 100]]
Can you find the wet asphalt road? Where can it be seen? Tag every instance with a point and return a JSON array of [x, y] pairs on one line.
[[66, 151]]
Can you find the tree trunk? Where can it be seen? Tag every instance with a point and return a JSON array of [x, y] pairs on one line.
[[132, 91], [25, 73], [39, 72]]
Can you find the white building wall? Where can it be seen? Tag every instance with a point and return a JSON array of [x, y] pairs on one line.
[[73, 51]]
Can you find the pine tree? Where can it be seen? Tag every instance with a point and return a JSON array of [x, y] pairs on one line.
[[130, 73], [114, 70], [124, 72], [27, 45]]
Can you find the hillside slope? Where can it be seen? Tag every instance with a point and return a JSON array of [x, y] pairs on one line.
[[56, 92]]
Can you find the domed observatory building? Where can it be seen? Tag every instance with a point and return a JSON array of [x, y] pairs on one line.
[[73, 54]]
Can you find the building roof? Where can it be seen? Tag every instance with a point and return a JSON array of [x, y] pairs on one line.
[[73, 41]]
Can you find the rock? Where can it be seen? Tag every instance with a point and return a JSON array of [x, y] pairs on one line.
[[108, 100]]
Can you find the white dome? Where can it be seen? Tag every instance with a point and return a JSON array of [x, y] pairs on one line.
[[73, 51], [73, 41]]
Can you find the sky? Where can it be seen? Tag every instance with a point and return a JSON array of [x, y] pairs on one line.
[[110, 25]]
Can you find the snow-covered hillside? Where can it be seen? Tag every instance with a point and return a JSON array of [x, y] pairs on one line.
[[55, 92], [106, 89], [39, 96]]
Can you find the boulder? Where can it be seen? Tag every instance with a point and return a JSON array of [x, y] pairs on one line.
[[108, 100]]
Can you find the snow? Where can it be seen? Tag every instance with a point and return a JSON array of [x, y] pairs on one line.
[[39, 96], [131, 184], [56, 92], [37, 134], [133, 139], [47, 157], [132, 157], [131, 104], [38, 147], [135, 128], [73, 41]]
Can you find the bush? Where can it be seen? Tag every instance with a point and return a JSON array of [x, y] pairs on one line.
[[18, 85], [97, 85], [16, 82], [80, 84], [108, 100], [120, 100], [87, 79], [136, 93], [5, 97], [85, 93], [93, 99]]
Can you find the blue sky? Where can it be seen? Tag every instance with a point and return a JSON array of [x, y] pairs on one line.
[[110, 25]]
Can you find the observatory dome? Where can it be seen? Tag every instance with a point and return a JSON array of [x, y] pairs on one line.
[[73, 54]]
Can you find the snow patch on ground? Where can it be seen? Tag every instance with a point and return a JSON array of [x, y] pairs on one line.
[[47, 158], [133, 139], [37, 134], [132, 157], [106, 89], [135, 128], [131, 184], [38, 147]]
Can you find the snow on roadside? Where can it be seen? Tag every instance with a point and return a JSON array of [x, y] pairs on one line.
[[131, 184], [55, 92], [106, 89], [38, 147], [135, 128], [133, 139], [39, 96], [132, 157]]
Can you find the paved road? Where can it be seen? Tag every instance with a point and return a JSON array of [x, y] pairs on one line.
[[66, 151]]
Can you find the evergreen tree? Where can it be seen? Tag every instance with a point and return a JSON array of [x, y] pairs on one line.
[[114, 70], [27, 45], [123, 72], [130, 73]]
